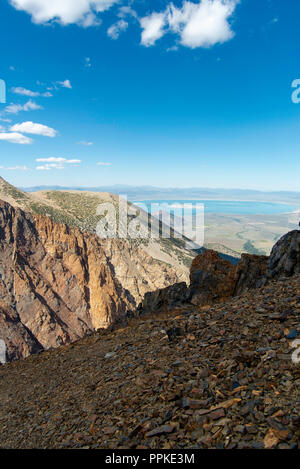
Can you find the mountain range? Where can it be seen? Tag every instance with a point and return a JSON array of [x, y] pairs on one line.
[[157, 193]]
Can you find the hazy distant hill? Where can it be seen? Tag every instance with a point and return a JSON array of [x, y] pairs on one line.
[[149, 192]]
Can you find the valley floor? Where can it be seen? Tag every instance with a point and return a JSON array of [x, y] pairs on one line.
[[254, 234], [214, 377]]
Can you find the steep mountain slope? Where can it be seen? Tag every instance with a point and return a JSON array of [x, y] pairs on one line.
[[58, 283], [213, 377], [190, 376], [160, 262]]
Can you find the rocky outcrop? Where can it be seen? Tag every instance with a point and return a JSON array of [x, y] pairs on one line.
[[285, 256], [250, 273], [16, 341], [56, 284], [212, 279]]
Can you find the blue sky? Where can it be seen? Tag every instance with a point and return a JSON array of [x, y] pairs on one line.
[[169, 94]]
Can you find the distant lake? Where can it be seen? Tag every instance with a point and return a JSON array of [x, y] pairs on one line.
[[219, 206]]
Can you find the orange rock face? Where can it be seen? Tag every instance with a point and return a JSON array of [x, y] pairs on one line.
[[56, 284], [214, 279]]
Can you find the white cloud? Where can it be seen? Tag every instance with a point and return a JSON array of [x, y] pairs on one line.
[[204, 24], [65, 84], [127, 11], [48, 167], [172, 49], [101, 163], [153, 28], [198, 23], [57, 160], [55, 163], [201, 24], [83, 12], [35, 129], [16, 108], [116, 29], [24, 92], [87, 144], [15, 168], [15, 137]]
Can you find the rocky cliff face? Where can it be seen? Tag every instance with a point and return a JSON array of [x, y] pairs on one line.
[[137, 271], [56, 284]]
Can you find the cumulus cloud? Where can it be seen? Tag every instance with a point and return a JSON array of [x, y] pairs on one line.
[[34, 128], [116, 29], [15, 137], [55, 163], [82, 12], [201, 24], [153, 28], [16, 108], [198, 23]]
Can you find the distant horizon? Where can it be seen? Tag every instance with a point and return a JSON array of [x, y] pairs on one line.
[[158, 188]]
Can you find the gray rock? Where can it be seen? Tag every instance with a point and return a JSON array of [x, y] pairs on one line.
[[285, 256]]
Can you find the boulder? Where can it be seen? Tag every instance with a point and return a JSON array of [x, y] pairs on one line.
[[284, 259], [250, 272], [212, 279]]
